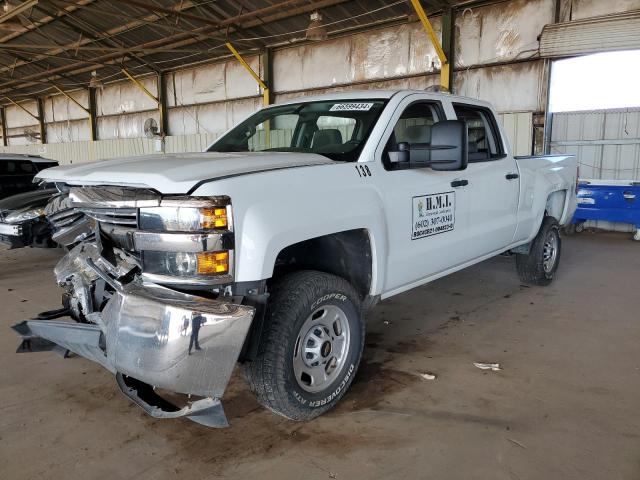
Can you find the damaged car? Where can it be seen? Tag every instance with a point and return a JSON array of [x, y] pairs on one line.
[[42, 218], [23, 222]]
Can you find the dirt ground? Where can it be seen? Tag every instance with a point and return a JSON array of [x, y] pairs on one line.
[[565, 405]]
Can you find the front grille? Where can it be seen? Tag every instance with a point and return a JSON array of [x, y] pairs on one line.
[[122, 217], [64, 218]]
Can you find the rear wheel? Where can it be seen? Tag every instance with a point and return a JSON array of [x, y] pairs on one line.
[[310, 347], [540, 265]]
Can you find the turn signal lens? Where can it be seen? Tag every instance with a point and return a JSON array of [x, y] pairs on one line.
[[210, 263], [213, 218]]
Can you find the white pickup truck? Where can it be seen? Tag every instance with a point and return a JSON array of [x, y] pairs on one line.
[[268, 248]]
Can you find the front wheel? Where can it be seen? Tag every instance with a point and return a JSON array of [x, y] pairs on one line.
[[540, 265], [311, 345]]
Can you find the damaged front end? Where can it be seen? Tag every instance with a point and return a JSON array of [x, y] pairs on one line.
[[155, 331]]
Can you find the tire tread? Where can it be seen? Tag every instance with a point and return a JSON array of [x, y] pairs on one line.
[[267, 373], [529, 266]]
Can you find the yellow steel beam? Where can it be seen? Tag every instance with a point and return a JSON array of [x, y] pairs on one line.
[[266, 100], [79, 105], [256, 77], [444, 69], [23, 108], [141, 86], [71, 98]]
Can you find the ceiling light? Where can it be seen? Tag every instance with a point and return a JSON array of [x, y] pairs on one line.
[[95, 82], [316, 31]]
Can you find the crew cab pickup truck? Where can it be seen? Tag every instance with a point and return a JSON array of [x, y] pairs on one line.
[[268, 248]]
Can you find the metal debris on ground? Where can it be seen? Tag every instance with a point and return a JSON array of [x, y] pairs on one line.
[[487, 366], [515, 442]]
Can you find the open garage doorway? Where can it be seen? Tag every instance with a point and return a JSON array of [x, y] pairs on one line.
[[594, 101], [595, 82]]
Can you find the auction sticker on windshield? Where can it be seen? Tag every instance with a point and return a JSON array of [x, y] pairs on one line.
[[351, 107], [433, 214]]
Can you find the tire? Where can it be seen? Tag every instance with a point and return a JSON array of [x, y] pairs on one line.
[[294, 339], [540, 265]]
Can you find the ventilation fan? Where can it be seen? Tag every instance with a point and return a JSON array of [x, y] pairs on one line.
[[151, 129]]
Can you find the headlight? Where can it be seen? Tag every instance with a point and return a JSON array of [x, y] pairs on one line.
[[184, 219], [186, 264], [24, 215]]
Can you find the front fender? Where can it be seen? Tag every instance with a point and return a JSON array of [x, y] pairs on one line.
[[273, 210]]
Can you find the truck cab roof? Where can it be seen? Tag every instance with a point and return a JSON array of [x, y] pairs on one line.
[[386, 94]]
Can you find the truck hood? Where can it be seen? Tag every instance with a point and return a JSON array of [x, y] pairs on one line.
[[176, 173]]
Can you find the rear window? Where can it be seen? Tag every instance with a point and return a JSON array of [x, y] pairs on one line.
[[484, 141], [7, 167]]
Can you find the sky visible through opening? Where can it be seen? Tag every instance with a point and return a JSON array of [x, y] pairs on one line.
[[598, 81]]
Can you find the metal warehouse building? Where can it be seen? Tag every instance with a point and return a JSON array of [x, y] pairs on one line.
[[319, 239], [172, 64]]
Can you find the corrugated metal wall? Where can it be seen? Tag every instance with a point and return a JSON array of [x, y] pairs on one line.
[[496, 60], [606, 143], [518, 128], [491, 44]]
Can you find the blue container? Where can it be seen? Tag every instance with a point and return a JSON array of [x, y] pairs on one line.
[[610, 200]]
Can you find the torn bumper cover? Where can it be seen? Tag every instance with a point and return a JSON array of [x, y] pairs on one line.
[[154, 337]]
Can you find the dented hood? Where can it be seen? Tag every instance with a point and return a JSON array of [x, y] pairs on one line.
[[176, 173]]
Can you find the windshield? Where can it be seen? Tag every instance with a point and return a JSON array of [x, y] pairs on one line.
[[336, 129]]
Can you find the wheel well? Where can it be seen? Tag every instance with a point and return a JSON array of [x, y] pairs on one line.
[[345, 254], [555, 204]]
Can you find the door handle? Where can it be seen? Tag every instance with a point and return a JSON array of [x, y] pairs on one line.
[[460, 183], [628, 195], [511, 176]]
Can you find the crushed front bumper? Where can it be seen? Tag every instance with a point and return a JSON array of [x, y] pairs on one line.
[[154, 337]]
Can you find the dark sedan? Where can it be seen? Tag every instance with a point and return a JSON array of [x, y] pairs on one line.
[[17, 172]]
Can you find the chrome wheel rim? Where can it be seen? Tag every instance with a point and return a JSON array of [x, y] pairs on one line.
[[550, 251], [321, 348]]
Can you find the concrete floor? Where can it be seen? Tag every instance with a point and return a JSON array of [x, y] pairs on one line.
[[565, 404]]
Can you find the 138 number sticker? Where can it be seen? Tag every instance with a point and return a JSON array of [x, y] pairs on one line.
[[363, 170]]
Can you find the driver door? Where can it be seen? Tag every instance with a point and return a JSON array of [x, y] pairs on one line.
[[426, 210]]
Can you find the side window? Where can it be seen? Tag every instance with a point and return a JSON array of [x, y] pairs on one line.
[[413, 128], [26, 167], [484, 142], [10, 167]]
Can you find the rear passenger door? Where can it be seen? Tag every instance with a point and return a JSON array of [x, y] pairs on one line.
[[493, 183]]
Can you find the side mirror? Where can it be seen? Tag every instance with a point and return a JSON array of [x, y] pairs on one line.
[[402, 154], [449, 145]]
